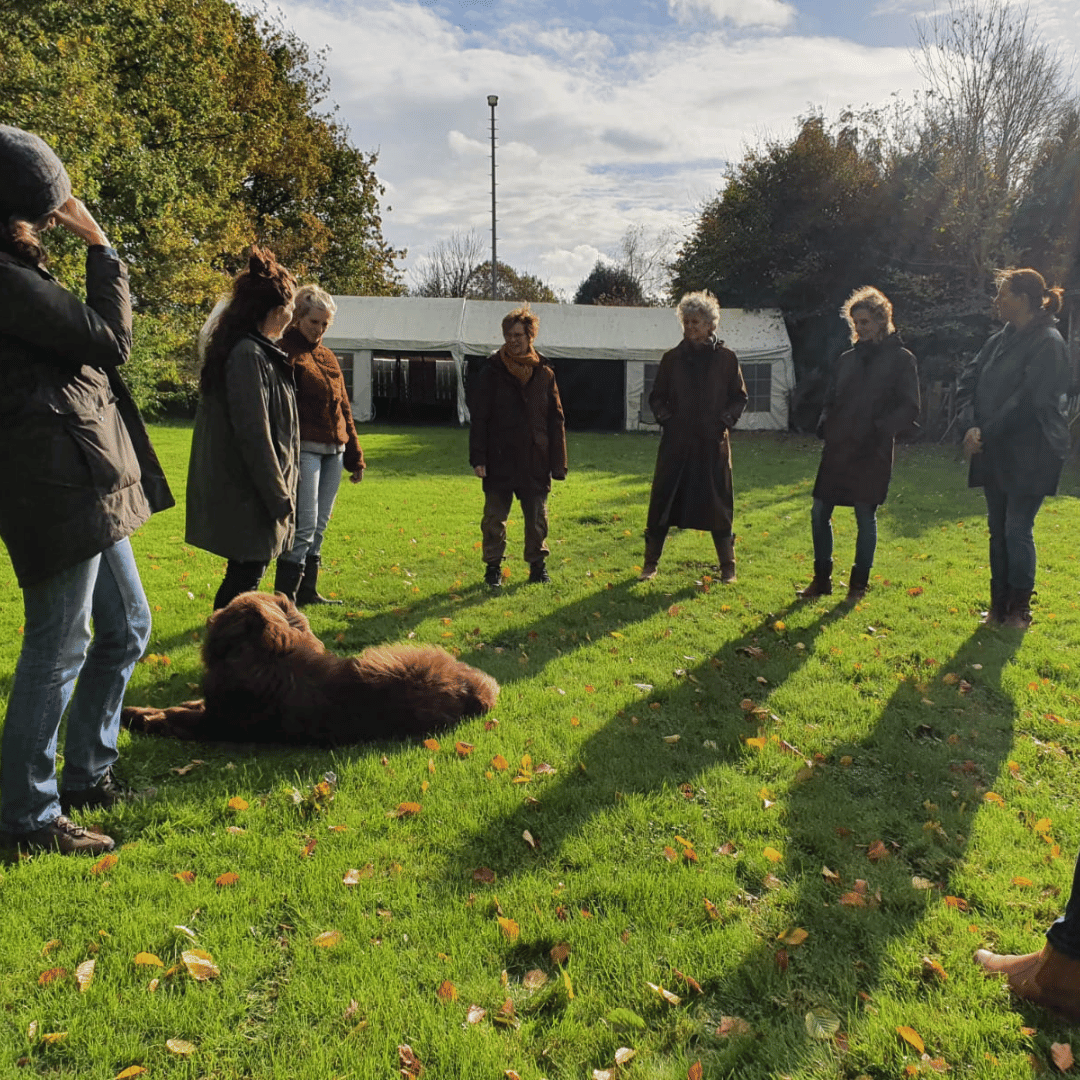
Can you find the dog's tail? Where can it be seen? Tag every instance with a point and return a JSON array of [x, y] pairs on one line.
[[424, 689]]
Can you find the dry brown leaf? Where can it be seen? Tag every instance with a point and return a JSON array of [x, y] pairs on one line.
[[1062, 1055], [147, 959], [475, 1014], [695, 1072], [830, 876], [352, 877], [500, 763], [464, 748], [667, 995], [671, 854], [877, 851], [236, 803], [308, 848], [52, 975], [772, 855], [327, 939], [52, 1037], [534, 979], [48, 947], [623, 1055], [484, 875], [560, 953], [932, 967], [732, 1025], [956, 902], [711, 909], [186, 876], [793, 937], [200, 965], [689, 980], [853, 899], [509, 928], [410, 1063], [405, 809], [104, 864], [235, 830], [84, 975], [432, 745], [447, 991], [180, 1046], [530, 840], [130, 1072]]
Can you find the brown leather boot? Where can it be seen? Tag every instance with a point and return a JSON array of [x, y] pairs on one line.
[[1047, 978], [999, 597], [1018, 611]]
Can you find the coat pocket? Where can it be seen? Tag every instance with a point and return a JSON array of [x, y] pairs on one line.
[[98, 442]]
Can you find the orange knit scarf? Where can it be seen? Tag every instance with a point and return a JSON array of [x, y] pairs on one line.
[[521, 367]]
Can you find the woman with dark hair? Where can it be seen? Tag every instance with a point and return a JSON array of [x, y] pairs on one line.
[[79, 477], [328, 442], [698, 395], [1013, 396], [873, 396], [517, 443], [245, 450]]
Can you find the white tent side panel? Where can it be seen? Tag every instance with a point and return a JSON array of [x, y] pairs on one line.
[[634, 337]]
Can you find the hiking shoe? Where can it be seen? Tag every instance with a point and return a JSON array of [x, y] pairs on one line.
[[538, 574], [105, 794], [63, 835], [493, 575]]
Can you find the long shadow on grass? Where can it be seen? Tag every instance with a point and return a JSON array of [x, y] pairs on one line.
[[914, 783], [628, 754]]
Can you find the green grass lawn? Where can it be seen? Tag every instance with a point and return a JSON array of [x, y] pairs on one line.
[[800, 819]]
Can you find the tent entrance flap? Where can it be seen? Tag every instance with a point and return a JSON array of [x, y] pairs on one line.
[[593, 393], [414, 387]]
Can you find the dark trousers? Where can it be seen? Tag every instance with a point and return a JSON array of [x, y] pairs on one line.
[[1064, 935], [240, 577], [1011, 519], [497, 504]]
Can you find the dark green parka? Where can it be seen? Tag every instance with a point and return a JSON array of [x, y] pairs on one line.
[[245, 457], [1014, 392], [79, 473]]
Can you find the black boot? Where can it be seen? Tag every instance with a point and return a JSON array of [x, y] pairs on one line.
[[725, 553], [308, 593], [538, 574], [858, 583], [999, 604], [1018, 609], [822, 583], [493, 575], [287, 577]]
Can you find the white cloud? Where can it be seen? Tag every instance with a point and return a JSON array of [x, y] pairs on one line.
[[770, 13], [637, 131]]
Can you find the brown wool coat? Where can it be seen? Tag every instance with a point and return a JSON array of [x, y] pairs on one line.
[[698, 394], [517, 432], [872, 397], [322, 398]]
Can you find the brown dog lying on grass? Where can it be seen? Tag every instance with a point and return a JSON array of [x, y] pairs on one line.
[[269, 679]]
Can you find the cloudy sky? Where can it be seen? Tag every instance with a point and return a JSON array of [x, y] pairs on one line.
[[611, 114]]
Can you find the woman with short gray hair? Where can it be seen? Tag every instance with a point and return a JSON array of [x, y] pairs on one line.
[[698, 395]]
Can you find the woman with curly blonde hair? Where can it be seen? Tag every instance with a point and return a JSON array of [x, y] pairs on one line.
[[873, 396]]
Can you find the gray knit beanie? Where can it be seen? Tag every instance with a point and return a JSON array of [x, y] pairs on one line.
[[33, 180]]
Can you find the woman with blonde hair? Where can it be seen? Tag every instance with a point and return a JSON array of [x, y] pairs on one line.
[[1013, 396], [873, 396], [698, 395], [328, 442]]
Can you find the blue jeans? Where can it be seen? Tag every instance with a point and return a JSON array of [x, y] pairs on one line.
[[62, 662], [1064, 935], [865, 540], [1011, 519], [316, 490]]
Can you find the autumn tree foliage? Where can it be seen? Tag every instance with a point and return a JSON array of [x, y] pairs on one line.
[[456, 266], [610, 286], [192, 128]]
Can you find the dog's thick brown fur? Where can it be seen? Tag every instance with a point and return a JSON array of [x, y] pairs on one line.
[[269, 679]]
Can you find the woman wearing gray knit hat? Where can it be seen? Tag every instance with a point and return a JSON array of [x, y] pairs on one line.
[[80, 477]]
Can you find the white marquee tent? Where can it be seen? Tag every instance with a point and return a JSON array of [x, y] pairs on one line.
[[595, 351]]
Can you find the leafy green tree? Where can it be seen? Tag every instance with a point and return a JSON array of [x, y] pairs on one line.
[[610, 286], [510, 285]]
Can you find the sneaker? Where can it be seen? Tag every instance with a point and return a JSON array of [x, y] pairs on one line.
[[538, 574], [493, 576], [63, 835], [105, 794]]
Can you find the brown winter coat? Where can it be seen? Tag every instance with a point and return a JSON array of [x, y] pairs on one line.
[[699, 393], [517, 432], [872, 397], [245, 458], [321, 397]]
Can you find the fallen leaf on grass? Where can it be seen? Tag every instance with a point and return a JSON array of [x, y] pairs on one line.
[[104, 864], [308, 848], [147, 959], [530, 840], [237, 804], [956, 902], [447, 991], [994, 797], [921, 883], [484, 875], [1062, 1055], [830, 875], [200, 965], [793, 937], [690, 981], [695, 1072], [183, 770], [623, 1055], [822, 1024], [1023, 882], [534, 979], [711, 909], [50, 1038], [432, 745], [464, 749], [48, 947], [129, 1072], [932, 967], [180, 1046], [509, 928], [853, 899], [225, 880], [560, 953], [912, 1038], [877, 851], [84, 975], [475, 1014], [667, 995], [327, 939], [410, 1063], [772, 855], [52, 975], [732, 1025]]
